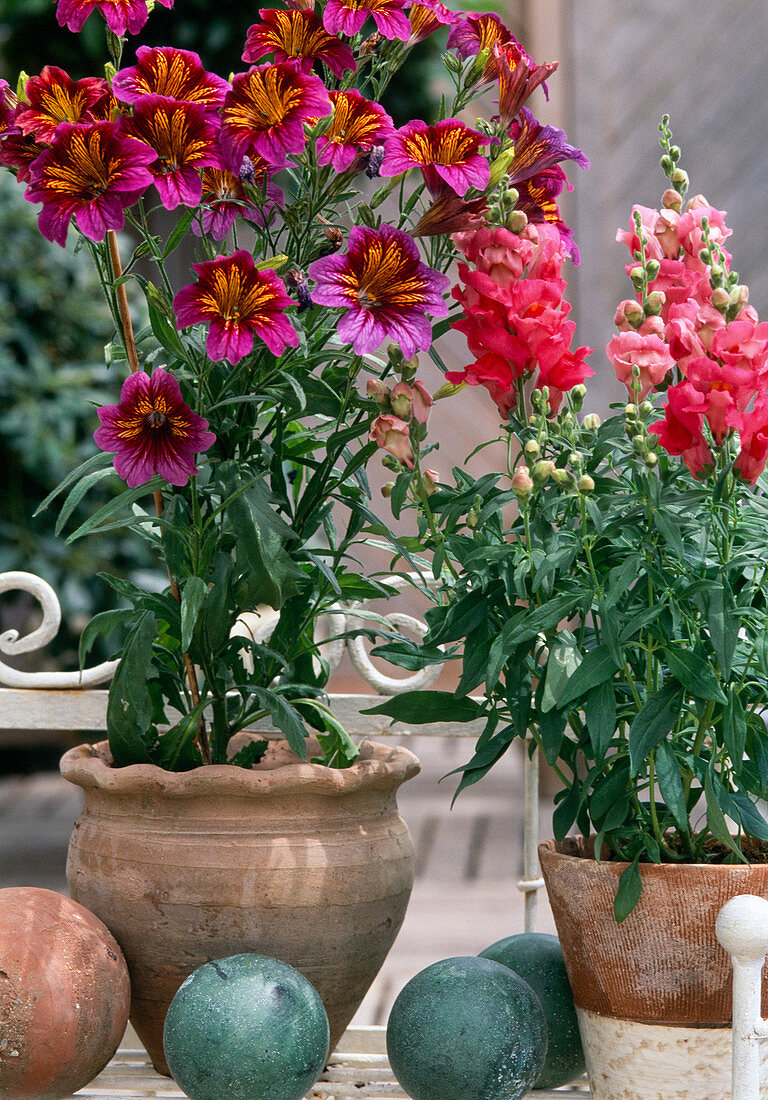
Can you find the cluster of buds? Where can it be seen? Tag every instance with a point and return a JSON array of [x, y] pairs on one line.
[[644, 443], [403, 418]]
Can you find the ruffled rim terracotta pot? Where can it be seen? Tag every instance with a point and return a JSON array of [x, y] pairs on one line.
[[308, 864], [653, 994]]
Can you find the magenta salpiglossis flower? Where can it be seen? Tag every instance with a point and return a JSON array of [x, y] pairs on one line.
[[385, 288], [537, 200], [7, 109], [177, 74], [297, 36], [427, 17], [152, 430], [474, 33], [518, 78], [238, 302], [447, 153], [91, 172], [265, 112], [538, 147], [121, 15], [358, 125], [54, 97], [225, 198], [347, 17], [184, 141]]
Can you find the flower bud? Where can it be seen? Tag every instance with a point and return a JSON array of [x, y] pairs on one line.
[[579, 391], [472, 518], [651, 460], [401, 400], [652, 267], [563, 478], [542, 471], [638, 444], [379, 392], [429, 482], [532, 450], [522, 484], [646, 408], [591, 422], [395, 355], [671, 200], [586, 484], [630, 411], [655, 301], [575, 459], [499, 168], [630, 312], [386, 490], [390, 462], [637, 275], [679, 180], [516, 221], [721, 299]]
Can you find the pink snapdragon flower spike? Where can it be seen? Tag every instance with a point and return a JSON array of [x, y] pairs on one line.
[[92, 173], [225, 199], [53, 97], [184, 141], [681, 431], [347, 17], [753, 439], [358, 125], [447, 154], [152, 430], [265, 112], [166, 71], [385, 288], [297, 36], [237, 302], [121, 15]]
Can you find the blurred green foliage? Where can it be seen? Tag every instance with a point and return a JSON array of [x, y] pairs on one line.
[[53, 327]]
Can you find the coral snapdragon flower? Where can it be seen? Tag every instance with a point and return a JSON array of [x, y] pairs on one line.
[[297, 36], [447, 153], [265, 112], [347, 17], [238, 302], [358, 125], [121, 15], [385, 288], [152, 430], [177, 74], [91, 173], [184, 141], [54, 97]]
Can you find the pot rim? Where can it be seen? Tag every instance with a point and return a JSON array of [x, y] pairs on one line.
[[379, 767], [585, 855]]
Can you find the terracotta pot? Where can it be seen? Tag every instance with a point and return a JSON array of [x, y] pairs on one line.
[[308, 864], [653, 994]]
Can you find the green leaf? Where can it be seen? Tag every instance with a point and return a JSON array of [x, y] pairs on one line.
[[565, 812], [596, 668], [180, 231], [552, 730], [76, 495], [600, 717], [671, 784], [752, 821], [165, 333], [98, 461], [695, 674], [481, 763], [670, 533], [339, 750], [734, 727], [723, 621], [102, 625], [564, 658], [176, 749], [653, 722], [249, 754], [628, 892], [192, 597], [286, 719], [129, 709], [422, 707], [716, 822], [119, 506]]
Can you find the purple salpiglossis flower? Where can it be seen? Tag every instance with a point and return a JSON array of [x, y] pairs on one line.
[[265, 112], [447, 153], [184, 140], [385, 288], [347, 17], [225, 198], [152, 430], [121, 15], [358, 125], [538, 147], [538, 201], [91, 172], [426, 17], [297, 35], [53, 97], [238, 302], [177, 74]]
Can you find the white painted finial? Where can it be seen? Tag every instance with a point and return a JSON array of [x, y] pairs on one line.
[[742, 927]]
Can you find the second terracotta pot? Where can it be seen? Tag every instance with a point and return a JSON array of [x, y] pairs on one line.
[[308, 864]]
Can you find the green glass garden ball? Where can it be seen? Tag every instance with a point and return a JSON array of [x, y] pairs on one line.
[[538, 959], [246, 1028], [466, 1029]]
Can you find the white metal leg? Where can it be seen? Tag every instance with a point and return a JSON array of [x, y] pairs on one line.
[[742, 929]]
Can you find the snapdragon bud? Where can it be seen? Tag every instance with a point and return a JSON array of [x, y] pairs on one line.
[[522, 483], [652, 267], [563, 478], [586, 485], [671, 200], [646, 408], [386, 490], [655, 302], [679, 180], [516, 221], [637, 275], [651, 460], [401, 400], [532, 450], [591, 422], [638, 444], [542, 471], [630, 411], [390, 462], [379, 392]]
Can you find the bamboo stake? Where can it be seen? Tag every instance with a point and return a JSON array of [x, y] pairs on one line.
[[133, 363]]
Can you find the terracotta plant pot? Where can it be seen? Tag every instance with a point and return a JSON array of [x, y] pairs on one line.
[[308, 864], [653, 994]]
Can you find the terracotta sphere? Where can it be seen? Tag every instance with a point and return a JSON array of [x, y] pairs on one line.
[[64, 995]]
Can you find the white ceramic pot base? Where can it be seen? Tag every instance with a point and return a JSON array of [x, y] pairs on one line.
[[631, 1061]]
